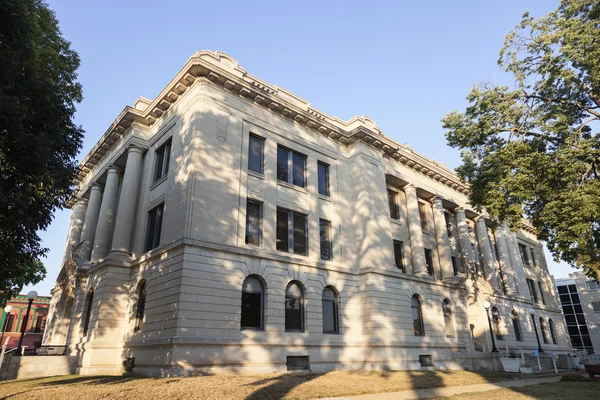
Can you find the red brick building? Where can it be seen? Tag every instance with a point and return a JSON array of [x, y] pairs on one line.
[[10, 324]]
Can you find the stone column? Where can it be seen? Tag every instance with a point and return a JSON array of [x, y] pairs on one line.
[[75, 227], [415, 231], [88, 232], [106, 219], [504, 258], [121, 243], [464, 238], [487, 255], [441, 235]]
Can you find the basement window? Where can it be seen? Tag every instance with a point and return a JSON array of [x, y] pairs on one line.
[[426, 360], [298, 363]]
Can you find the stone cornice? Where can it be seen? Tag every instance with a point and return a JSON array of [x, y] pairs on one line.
[[224, 71]]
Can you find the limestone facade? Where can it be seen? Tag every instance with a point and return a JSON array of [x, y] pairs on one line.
[[160, 246]]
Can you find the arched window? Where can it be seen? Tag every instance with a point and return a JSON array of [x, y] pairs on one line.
[[417, 315], [543, 329], [516, 325], [552, 332], [88, 312], [252, 303], [141, 307], [496, 323], [448, 322], [294, 308], [330, 311]]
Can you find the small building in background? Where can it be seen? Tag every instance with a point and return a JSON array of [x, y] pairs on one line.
[[11, 323], [580, 301]]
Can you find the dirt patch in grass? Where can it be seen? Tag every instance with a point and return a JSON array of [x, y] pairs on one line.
[[546, 391], [251, 387]]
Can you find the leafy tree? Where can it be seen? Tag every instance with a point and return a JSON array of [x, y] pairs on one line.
[[38, 139], [533, 149]]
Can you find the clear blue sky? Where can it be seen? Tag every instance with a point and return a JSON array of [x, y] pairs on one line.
[[403, 63]]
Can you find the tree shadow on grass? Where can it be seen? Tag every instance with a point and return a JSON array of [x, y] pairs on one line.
[[280, 385]]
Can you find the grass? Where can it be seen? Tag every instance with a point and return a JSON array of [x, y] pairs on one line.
[[546, 391], [251, 387]]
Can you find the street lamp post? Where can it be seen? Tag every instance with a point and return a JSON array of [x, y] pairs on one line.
[[7, 311], [31, 296], [487, 305], [531, 312]]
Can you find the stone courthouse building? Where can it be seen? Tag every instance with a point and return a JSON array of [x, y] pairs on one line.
[[229, 225]]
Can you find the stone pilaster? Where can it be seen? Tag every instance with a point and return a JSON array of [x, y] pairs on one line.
[[441, 235], [121, 243], [487, 255], [88, 231], [415, 231], [75, 226], [502, 242], [106, 218], [464, 239]]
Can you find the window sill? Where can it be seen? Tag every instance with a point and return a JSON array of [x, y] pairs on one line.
[[325, 198], [396, 221], [293, 187], [158, 182], [256, 175]]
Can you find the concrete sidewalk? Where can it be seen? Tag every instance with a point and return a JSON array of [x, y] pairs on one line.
[[449, 391]]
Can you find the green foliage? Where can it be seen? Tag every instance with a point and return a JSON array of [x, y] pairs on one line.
[[533, 150], [38, 139]]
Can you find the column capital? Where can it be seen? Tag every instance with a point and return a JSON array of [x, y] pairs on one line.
[[135, 149], [113, 169], [81, 200], [95, 186], [410, 186], [482, 217], [459, 209], [437, 199]]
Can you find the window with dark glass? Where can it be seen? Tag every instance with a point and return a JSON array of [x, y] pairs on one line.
[[417, 315], [429, 261], [423, 215], [294, 308], [39, 324], [532, 291], [292, 232], [448, 321], [532, 256], [253, 222], [552, 332], [448, 219], [501, 281], [543, 329], [291, 167], [252, 303], [256, 151], [454, 265], [496, 323], [325, 236], [88, 312], [398, 255], [524, 255], [323, 173], [330, 311], [141, 307], [541, 292], [516, 326], [163, 156], [10, 321], [154, 227], [393, 204]]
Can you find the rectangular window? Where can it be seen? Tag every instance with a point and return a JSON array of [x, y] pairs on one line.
[[448, 218], [256, 148], [292, 232], [454, 265], [429, 261], [253, 222], [532, 256], [10, 322], [524, 255], [393, 203], [592, 285], [532, 292], [163, 156], [423, 215], [325, 235], [323, 172], [596, 306], [398, 255], [154, 227], [541, 293], [38, 324], [291, 167]]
